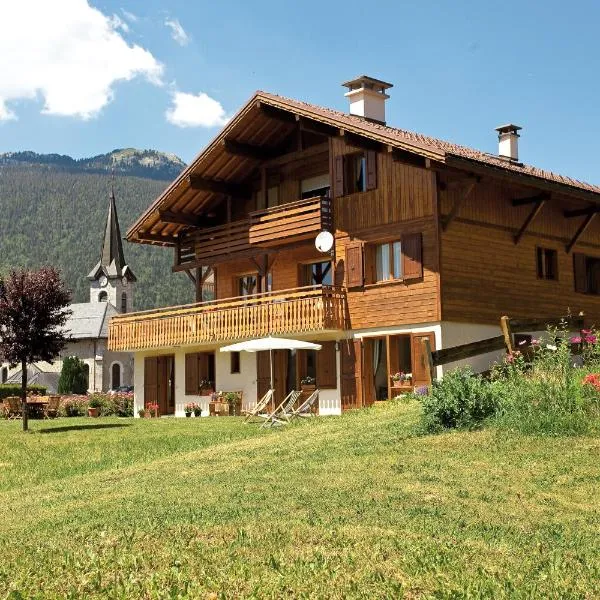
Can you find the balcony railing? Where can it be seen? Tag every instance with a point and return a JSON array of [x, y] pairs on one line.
[[296, 311], [287, 223]]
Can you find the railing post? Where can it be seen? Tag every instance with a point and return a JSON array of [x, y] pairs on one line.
[[507, 333]]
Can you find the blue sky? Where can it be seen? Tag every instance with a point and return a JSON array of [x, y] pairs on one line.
[[458, 68]]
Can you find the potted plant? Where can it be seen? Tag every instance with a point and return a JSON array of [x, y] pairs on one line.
[[206, 387], [152, 408], [94, 406], [401, 380], [142, 413], [308, 383], [189, 409], [197, 410], [234, 401]]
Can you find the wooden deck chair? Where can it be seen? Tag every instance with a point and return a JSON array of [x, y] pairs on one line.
[[305, 409], [51, 409], [259, 406], [282, 413], [12, 407]]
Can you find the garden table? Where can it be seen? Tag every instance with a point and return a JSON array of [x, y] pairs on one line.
[[36, 405]]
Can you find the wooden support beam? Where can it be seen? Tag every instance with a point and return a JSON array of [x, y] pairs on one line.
[[535, 211], [189, 274], [247, 150], [581, 212], [507, 333], [277, 114], [580, 231], [408, 158], [153, 237], [361, 142], [531, 199], [316, 127], [218, 187], [168, 216], [458, 203]]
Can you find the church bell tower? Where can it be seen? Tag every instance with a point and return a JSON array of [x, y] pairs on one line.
[[112, 280]]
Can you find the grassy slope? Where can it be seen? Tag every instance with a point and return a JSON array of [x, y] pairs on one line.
[[355, 506]]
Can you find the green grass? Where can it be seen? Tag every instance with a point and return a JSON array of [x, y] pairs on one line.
[[356, 506]]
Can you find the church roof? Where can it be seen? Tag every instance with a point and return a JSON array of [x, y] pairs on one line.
[[89, 320], [112, 260]]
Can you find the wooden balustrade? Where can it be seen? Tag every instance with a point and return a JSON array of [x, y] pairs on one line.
[[287, 223], [300, 310]]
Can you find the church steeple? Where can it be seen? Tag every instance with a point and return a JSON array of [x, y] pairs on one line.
[[111, 276]]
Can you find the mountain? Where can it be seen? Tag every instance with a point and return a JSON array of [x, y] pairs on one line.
[[53, 211]]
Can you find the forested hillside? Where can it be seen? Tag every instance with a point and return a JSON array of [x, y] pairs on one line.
[[51, 215]]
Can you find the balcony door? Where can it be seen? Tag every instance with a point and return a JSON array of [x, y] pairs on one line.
[[159, 383], [263, 374]]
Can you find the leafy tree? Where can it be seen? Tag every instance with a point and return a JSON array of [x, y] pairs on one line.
[[73, 376], [33, 312]]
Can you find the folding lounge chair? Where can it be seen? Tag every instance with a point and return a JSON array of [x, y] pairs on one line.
[[51, 409], [259, 407], [12, 407], [305, 409], [282, 413]]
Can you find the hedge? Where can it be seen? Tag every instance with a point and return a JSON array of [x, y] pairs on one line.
[[11, 389]]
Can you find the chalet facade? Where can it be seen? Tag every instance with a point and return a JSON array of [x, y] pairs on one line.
[[432, 240]]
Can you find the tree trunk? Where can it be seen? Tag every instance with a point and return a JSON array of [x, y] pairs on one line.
[[24, 393]]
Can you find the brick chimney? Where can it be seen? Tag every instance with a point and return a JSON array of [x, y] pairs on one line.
[[367, 97], [508, 141]]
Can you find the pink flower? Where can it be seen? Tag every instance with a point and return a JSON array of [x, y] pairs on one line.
[[576, 339], [535, 342], [586, 331], [590, 339]]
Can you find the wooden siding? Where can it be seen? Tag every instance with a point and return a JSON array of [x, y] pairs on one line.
[[484, 274], [294, 311]]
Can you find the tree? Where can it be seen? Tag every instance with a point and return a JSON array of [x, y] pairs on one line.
[[73, 376], [33, 313]]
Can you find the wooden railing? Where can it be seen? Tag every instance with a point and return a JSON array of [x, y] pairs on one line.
[[300, 310], [291, 222]]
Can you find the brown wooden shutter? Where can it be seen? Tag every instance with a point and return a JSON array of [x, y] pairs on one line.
[[371, 170], [338, 176], [191, 374], [354, 265], [150, 380], [579, 272], [419, 363], [351, 359], [412, 256], [301, 366], [203, 369], [326, 366]]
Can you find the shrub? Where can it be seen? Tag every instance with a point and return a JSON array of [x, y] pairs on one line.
[[73, 376], [10, 389], [73, 406], [460, 400]]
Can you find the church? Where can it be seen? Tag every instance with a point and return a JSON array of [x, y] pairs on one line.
[[111, 292]]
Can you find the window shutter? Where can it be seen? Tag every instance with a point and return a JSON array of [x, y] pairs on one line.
[[371, 170], [150, 380], [300, 366], [338, 176], [191, 374], [579, 272], [326, 366], [412, 256], [354, 265], [203, 370]]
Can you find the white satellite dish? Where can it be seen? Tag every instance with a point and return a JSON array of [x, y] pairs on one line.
[[324, 241]]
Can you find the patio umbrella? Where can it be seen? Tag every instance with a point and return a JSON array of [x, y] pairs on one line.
[[270, 343]]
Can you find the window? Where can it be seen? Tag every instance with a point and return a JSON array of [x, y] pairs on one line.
[[547, 263], [586, 270], [123, 302], [319, 273], [247, 285], [355, 166], [314, 186], [234, 362], [115, 376], [388, 261], [102, 297]]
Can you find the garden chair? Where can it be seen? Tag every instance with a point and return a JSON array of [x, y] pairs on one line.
[[282, 413], [306, 408], [51, 409], [12, 407], [259, 407]]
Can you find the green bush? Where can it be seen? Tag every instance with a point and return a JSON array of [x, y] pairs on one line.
[[73, 406], [11, 389], [460, 400], [73, 376]]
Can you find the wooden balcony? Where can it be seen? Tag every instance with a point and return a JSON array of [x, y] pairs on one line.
[[288, 312], [285, 224]]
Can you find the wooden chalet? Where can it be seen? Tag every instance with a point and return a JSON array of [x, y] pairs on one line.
[[432, 240]]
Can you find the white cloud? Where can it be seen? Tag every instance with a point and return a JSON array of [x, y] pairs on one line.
[[129, 16], [67, 53], [178, 33], [195, 110]]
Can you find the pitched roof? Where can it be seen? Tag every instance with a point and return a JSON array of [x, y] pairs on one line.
[[89, 320]]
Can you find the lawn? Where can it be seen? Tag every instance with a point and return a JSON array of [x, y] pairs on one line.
[[355, 506]]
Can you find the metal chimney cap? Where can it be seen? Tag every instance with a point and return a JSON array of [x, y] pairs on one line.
[[508, 128]]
